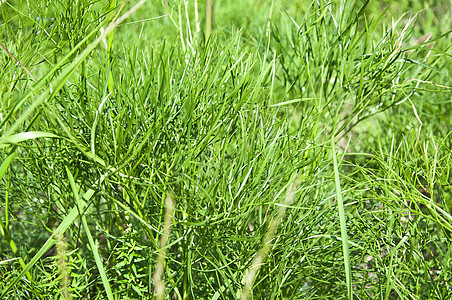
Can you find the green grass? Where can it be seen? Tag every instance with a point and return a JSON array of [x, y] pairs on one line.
[[296, 151]]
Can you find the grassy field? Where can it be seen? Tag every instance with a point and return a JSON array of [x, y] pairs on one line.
[[225, 149]]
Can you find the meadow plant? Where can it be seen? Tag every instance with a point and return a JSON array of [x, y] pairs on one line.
[[293, 151]]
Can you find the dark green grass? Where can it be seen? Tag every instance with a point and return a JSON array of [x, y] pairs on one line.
[[307, 149]]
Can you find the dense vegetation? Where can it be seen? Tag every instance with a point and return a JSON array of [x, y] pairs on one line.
[[291, 150]]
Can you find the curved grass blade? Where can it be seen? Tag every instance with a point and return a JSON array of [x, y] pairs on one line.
[[24, 136]]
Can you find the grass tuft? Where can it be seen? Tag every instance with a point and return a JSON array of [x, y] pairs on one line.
[[239, 121]]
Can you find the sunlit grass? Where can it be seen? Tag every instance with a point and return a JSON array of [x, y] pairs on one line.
[[305, 148]]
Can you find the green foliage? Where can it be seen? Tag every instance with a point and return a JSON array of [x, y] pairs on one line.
[[341, 107]]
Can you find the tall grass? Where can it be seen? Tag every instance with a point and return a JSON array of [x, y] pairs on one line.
[[306, 149]]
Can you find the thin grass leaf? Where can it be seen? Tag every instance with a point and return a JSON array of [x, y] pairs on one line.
[[342, 220]]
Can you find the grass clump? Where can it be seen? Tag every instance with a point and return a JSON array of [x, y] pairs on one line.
[[305, 155]]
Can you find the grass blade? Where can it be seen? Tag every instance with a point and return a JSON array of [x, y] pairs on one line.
[[342, 221]]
